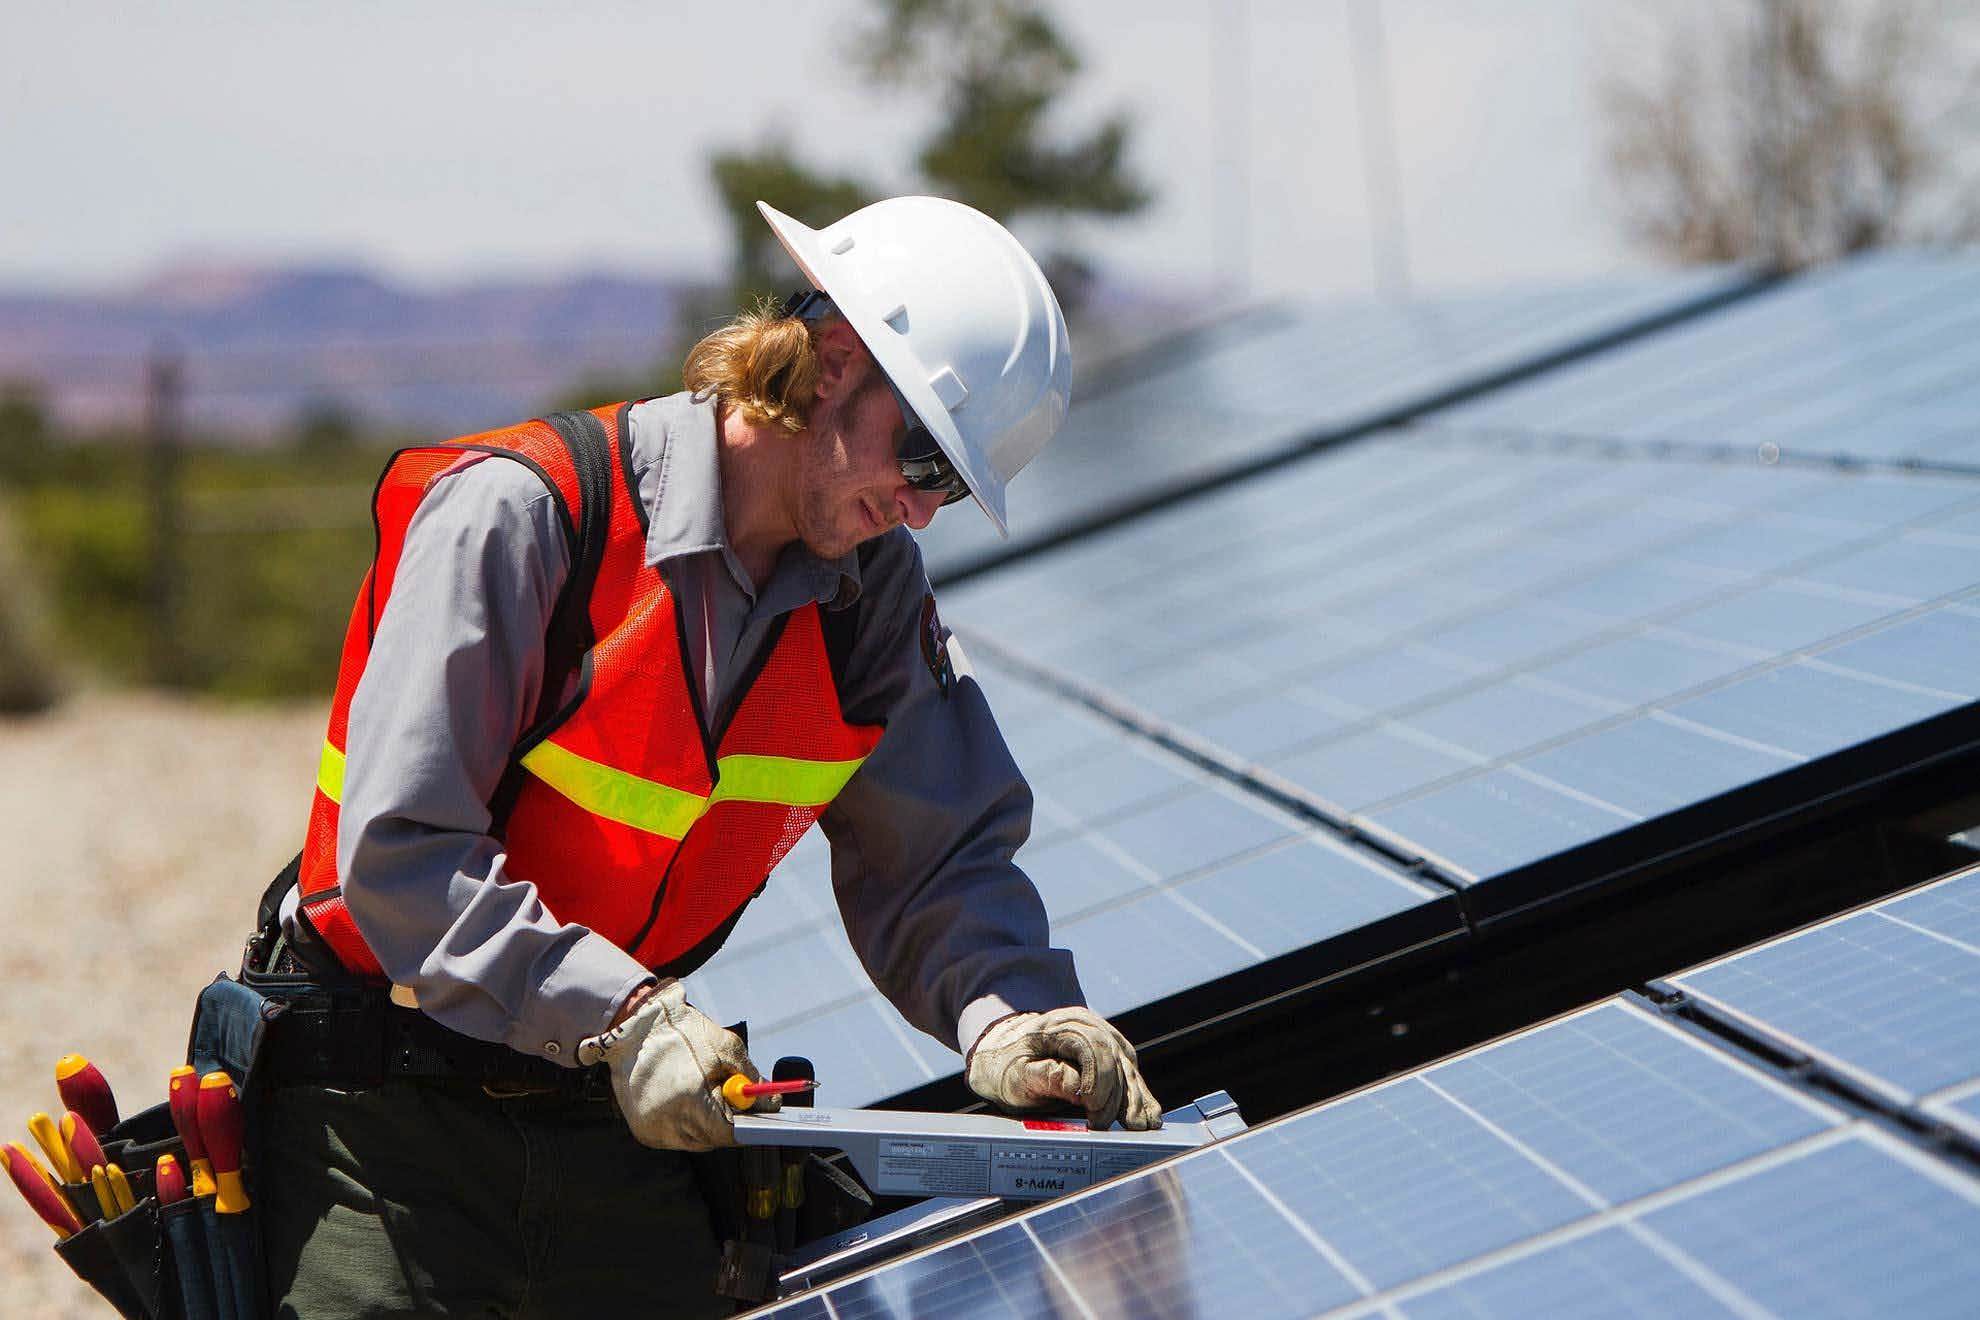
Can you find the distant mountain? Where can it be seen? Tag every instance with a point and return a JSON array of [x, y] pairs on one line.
[[260, 346]]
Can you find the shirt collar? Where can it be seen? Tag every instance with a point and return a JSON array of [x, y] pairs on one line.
[[678, 468]]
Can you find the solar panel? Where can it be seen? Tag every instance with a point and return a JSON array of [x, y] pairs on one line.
[[1852, 1223], [1873, 359], [1890, 994], [1604, 1163], [1156, 874], [1863, 1226], [1262, 382], [1492, 655]]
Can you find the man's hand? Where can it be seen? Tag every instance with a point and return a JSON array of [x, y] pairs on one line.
[[668, 1062], [1030, 1059]]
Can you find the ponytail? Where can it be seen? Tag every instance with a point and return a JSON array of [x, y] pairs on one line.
[[763, 364]]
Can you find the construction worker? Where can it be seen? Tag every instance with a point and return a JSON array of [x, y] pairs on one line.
[[607, 667]]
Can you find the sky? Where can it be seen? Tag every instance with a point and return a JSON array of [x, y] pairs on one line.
[[447, 140]]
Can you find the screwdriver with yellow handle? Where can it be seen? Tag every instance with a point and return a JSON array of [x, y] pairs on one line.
[[49, 1137], [42, 1195], [113, 1190], [84, 1090], [742, 1093], [221, 1128], [183, 1093]]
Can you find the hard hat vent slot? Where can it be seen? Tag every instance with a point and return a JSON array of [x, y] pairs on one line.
[[897, 320], [843, 246]]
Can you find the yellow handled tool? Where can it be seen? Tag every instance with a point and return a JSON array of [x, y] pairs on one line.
[[49, 1137]]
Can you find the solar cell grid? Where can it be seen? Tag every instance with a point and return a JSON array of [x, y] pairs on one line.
[[1890, 994], [1873, 357], [1384, 689], [1847, 1223], [1863, 1226], [1232, 397], [1610, 1273], [1605, 1158]]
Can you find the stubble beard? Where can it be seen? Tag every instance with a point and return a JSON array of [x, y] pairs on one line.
[[824, 503]]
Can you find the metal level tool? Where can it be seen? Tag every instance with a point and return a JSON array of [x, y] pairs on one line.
[[942, 1217], [909, 1154]]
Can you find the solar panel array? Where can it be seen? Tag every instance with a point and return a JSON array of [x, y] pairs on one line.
[[1605, 1163], [1259, 383], [1494, 656], [1480, 645]]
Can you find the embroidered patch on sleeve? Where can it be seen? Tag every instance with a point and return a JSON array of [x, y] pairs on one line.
[[934, 648]]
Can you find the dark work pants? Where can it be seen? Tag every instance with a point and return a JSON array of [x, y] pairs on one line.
[[417, 1198]]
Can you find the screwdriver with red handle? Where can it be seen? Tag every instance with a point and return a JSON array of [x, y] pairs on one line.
[[221, 1128], [170, 1180], [183, 1091], [82, 1142], [41, 1195], [741, 1093], [84, 1090]]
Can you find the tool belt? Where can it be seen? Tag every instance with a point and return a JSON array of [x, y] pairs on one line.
[[355, 1038], [335, 1030]]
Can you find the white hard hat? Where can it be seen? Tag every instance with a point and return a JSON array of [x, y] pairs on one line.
[[960, 318]]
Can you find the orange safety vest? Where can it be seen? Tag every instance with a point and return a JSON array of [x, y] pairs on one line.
[[621, 811]]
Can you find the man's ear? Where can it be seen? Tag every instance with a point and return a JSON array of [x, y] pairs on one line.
[[838, 349]]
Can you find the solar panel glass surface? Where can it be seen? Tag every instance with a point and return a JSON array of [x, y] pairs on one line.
[[1606, 1154], [1259, 383], [1873, 359], [1890, 993], [1856, 1226], [1492, 655]]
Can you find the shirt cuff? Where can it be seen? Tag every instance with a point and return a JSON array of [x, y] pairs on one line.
[[577, 999], [985, 1010]]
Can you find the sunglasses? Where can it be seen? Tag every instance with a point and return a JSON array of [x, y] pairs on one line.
[[923, 464]]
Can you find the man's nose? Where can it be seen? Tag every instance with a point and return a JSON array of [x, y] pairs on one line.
[[918, 506]]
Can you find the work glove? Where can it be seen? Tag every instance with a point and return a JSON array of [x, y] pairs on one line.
[[668, 1061], [1031, 1059]]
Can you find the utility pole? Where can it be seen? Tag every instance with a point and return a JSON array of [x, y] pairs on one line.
[[1381, 172], [1230, 94], [164, 384]]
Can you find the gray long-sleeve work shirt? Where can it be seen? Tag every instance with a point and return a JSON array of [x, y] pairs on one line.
[[923, 836]]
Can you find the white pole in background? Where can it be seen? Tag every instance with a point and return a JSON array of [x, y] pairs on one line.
[[1387, 236], [1230, 95]]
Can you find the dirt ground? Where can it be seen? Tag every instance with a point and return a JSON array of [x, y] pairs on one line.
[[142, 830]]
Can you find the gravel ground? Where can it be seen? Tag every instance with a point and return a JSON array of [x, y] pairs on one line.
[[143, 829]]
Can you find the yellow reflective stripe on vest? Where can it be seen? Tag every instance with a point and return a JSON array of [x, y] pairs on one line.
[[330, 773], [782, 779], [614, 794], [659, 809]]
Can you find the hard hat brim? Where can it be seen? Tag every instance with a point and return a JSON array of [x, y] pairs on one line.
[[807, 248]]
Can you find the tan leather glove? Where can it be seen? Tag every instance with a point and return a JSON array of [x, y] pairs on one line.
[[668, 1061], [1030, 1059]]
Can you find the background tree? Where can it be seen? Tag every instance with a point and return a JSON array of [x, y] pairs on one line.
[[773, 173], [998, 69], [997, 72], [1792, 132]]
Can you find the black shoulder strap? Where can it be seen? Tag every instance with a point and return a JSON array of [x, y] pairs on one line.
[[568, 639], [841, 627]]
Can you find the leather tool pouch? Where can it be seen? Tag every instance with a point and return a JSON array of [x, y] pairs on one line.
[[183, 1261]]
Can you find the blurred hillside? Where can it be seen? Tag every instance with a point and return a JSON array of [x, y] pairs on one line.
[[266, 345]]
